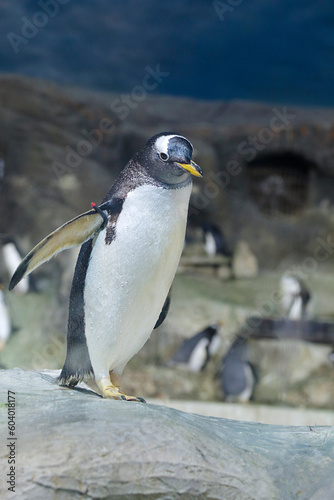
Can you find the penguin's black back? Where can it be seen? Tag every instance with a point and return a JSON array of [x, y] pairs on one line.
[[233, 374]]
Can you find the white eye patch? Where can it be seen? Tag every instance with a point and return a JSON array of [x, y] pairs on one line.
[[161, 143]]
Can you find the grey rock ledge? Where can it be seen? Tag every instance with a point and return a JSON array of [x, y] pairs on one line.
[[72, 444]]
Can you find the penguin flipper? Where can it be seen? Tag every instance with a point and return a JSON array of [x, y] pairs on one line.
[[164, 310], [71, 234]]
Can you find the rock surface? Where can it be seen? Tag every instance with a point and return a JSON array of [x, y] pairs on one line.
[[244, 262], [72, 444]]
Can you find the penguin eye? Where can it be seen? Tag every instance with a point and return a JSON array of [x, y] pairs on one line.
[[163, 156]]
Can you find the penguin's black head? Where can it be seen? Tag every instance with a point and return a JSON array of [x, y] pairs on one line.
[[167, 158]]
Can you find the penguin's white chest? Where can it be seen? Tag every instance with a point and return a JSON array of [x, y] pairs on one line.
[[12, 259], [128, 280], [198, 356], [296, 310], [5, 323], [210, 244]]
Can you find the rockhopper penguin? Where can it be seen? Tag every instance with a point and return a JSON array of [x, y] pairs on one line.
[[131, 246], [195, 352], [238, 374], [295, 297], [12, 257], [5, 321]]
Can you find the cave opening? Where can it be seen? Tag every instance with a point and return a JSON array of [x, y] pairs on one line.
[[279, 184]]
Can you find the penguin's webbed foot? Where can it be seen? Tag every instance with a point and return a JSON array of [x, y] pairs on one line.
[[111, 391], [133, 398], [114, 393]]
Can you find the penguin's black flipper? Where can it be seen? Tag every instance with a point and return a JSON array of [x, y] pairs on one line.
[[164, 310], [71, 234]]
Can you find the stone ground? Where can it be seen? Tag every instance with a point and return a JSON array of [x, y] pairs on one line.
[[72, 444]]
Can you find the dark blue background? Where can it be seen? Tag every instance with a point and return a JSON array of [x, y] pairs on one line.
[[276, 51]]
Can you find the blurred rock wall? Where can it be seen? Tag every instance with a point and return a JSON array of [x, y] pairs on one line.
[[63, 147]]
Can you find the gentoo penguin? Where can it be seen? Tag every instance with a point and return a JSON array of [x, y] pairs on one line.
[[12, 257], [295, 297], [132, 245], [214, 241], [195, 352], [237, 374], [5, 322]]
